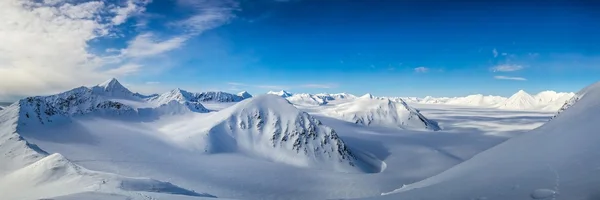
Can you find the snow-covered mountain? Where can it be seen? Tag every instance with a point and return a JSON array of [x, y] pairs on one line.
[[261, 128], [269, 127], [281, 93], [519, 100], [304, 99], [556, 161], [26, 167], [546, 100], [368, 110]]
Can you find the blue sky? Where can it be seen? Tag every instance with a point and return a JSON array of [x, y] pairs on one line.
[[388, 48]]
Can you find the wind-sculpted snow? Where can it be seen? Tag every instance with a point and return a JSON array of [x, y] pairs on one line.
[[369, 111]]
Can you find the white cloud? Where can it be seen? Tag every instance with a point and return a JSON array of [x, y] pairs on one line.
[[510, 78], [495, 52], [44, 46], [45, 43], [147, 45], [421, 69], [132, 7], [506, 68], [208, 14], [152, 82]]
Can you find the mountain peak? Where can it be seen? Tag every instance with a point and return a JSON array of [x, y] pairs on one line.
[[244, 94], [113, 82], [112, 87]]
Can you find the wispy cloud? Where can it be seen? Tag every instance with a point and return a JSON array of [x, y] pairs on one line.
[[495, 52], [421, 69], [131, 8], [152, 82], [506, 68], [514, 78], [147, 44]]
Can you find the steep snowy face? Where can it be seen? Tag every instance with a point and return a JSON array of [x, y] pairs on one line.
[[558, 160], [519, 100], [244, 95], [383, 112], [269, 127], [306, 100], [593, 89], [281, 93]]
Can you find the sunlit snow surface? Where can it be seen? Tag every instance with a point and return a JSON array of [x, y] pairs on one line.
[[146, 149]]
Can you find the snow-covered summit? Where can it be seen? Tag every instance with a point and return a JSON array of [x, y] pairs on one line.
[[385, 112], [281, 93], [113, 88]]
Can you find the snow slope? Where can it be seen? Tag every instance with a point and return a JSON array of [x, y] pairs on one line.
[[368, 110], [559, 160]]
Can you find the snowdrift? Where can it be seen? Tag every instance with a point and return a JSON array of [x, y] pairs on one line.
[[557, 160], [368, 111]]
